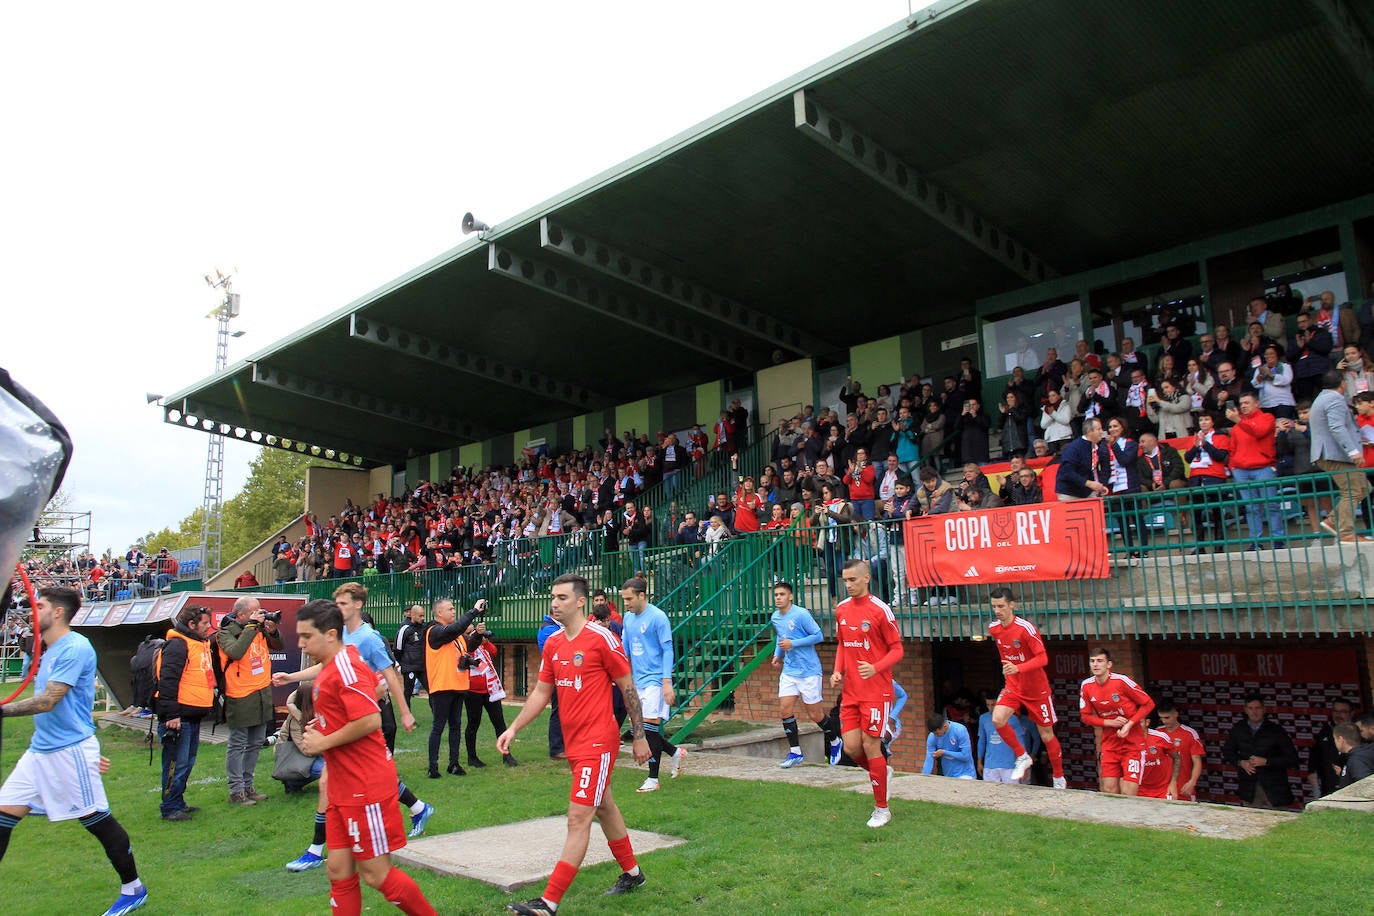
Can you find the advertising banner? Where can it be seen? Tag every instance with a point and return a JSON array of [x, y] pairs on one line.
[[1040, 542]]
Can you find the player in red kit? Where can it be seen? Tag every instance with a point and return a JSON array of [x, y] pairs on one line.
[[581, 662], [869, 646], [1023, 664], [1155, 769], [362, 823], [1117, 707], [1188, 743]]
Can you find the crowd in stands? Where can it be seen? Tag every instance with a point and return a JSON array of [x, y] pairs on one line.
[[472, 516], [107, 577], [1171, 419]]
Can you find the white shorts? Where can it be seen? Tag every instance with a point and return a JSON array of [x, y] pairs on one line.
[[62, 785], [651, 702], [1001, 774], [808, 688]]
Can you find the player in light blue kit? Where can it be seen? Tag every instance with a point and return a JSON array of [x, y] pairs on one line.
[[648, 640], [948, 743], [59, 775], [798, 636]]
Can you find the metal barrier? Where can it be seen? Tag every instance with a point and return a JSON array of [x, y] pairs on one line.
[[1183, 565]]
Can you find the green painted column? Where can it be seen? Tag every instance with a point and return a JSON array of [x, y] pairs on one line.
[[655, 418], [634, 415], [582, 427], [878, 362], [475, 455], [710, 402]]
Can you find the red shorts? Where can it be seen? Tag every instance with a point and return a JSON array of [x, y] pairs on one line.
[[368, 830], [868, 716], [1040, 706], [591, 776], [1120, 762]]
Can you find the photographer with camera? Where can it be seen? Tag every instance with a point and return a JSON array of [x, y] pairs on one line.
[[447, 666], [244, 644]]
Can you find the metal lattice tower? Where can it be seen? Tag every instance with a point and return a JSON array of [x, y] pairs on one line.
[[212, 507]]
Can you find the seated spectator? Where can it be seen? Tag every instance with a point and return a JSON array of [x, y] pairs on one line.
[[975, 481], [300, 709], [1021, 486]]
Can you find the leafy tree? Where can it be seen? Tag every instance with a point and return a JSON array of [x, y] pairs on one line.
[[273, 496]]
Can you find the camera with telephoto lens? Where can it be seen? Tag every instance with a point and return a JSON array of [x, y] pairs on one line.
[[274, 616], [466, 662]]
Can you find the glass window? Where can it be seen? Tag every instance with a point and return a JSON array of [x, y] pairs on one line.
[[1023, 339]]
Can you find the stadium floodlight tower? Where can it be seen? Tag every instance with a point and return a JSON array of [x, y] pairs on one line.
[[212, 508]]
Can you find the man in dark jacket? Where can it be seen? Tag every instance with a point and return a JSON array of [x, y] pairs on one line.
[[1359, 758], [245, 642], [185, 696], [1084, 465], [410, 650], [1264, 753]]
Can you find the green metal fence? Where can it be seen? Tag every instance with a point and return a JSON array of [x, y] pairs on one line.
[[1182, 565]]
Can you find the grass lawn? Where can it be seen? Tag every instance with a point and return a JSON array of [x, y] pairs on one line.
[[752, 848]]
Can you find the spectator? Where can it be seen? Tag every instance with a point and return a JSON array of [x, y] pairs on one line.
[[1273, 379], [1084, 465], [1264, 753], [1014, 440], [1252, 460], [300, 709], [1270, 327], [1170, 410], [246, 579], [1309, 356], [1022, 488], [833, 512], [932, 429], [1359, 372], [972, 426], [1336, 449], [1056, 418], [1208, 458], [1225, 394]]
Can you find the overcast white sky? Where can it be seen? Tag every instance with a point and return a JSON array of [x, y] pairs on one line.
[[319, 150]]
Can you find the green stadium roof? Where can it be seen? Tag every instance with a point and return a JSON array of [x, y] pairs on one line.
[[976, 149]]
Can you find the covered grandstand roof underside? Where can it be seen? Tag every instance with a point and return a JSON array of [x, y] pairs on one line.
[[1059, 136]]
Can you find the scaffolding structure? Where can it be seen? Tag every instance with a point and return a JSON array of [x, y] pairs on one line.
[[212, 506]]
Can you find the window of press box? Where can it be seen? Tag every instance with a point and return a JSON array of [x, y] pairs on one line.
[[1143, 320], [1288, 286], [1023, 339]]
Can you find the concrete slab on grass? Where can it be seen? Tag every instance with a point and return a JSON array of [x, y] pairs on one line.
[[513, 855], [756, 769], [1216, 821]]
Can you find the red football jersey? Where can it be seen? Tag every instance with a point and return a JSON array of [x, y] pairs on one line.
[[360, 772], [1119, 696], [867, 632], [582, 670], [1019, 642], [1157, 764], [1189, 745]]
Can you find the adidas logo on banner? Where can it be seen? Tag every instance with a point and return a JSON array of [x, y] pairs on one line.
[[972, 573]]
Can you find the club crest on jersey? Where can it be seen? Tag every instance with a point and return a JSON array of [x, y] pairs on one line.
[[1016, 643], [577, 659], [864, 626], [1116, 698]]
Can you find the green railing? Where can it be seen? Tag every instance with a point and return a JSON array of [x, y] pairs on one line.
[[1195, 576], [516, 583]]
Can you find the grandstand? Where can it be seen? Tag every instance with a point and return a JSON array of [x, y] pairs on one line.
[[978, 183]]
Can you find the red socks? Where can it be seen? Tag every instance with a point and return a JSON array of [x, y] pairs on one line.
[[559, 881], [400, 889], [346, 897], [877, 775], [624, 854], [1008, 734], [1056, 757]]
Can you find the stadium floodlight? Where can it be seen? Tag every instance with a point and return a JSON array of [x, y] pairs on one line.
[[237, 333], [471, 225], [152, 398]]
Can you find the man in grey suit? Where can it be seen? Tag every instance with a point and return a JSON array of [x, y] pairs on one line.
[[1336, 449]]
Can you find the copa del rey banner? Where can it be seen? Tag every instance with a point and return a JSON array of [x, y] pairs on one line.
[[1045, 541]]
